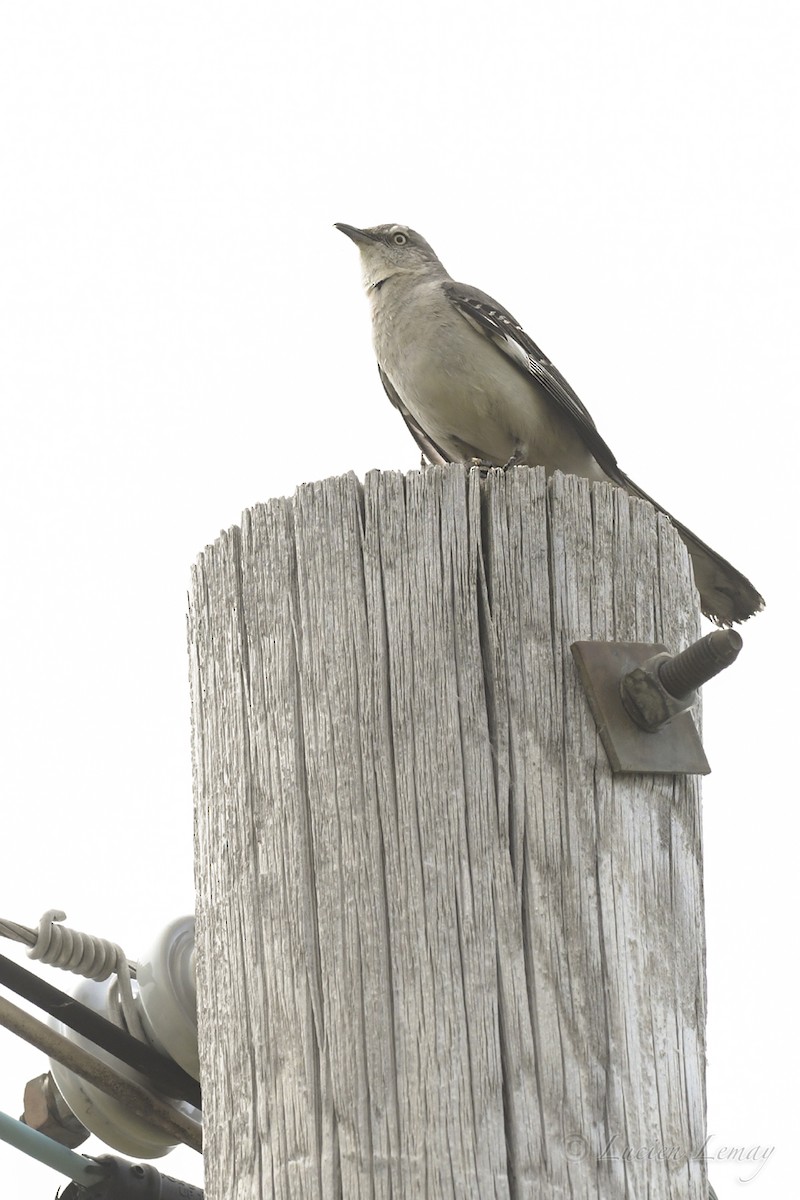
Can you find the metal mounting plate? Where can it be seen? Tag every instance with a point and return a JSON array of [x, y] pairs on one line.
[[675, 749]]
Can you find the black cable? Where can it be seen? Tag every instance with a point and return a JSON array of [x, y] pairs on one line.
[[125, 1180], [164, 1074]]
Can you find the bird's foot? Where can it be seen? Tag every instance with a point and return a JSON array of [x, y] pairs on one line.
[[515, 460], [482, 464]]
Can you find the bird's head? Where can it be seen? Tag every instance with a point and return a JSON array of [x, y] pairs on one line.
[[388, 250]]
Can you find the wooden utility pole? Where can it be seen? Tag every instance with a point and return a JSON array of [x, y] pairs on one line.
[[443, 950]]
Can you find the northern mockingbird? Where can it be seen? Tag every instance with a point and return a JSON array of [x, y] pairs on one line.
[[473, 387]]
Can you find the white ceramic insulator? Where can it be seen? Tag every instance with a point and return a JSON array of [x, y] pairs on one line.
[[168, 994], [165, 997]]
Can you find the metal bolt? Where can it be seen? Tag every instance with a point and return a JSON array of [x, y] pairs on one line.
[[666, 685], [700, 662], [47, 1110]]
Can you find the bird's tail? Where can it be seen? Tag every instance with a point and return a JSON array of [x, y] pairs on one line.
[[726, 596]]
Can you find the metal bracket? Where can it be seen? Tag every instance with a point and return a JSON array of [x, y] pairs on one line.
[[641, 698], [674, 749]]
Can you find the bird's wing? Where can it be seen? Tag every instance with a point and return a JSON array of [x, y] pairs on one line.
[[726, 595], [493, 321], [429, 448]]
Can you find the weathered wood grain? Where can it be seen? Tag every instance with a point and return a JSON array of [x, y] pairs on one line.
[[443, 951]]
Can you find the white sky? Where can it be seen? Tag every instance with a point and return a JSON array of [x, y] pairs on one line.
[[183, 334]]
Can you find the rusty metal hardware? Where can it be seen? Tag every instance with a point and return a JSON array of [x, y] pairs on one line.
[[641, 698]]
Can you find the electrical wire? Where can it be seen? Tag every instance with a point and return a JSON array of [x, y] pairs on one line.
[[131, 1095], [39, 1146], [165, 1075], [83, 954], [58, 946]]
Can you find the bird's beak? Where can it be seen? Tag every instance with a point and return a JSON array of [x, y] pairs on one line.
[[359, 236]]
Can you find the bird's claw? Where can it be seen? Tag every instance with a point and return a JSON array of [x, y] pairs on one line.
[[515, 460], [484, 465]]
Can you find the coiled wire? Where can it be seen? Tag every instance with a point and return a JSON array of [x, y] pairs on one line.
[[83, 954]]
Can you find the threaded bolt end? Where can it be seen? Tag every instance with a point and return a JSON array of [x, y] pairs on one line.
[[699, 662]]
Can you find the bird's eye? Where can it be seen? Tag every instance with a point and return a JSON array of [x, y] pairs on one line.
[[399, 239]]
